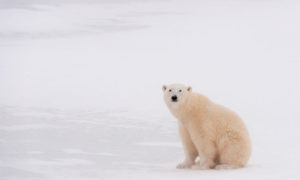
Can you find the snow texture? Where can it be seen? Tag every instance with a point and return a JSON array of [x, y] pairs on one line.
[[80, 85]]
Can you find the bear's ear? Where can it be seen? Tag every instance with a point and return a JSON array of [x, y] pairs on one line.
[[189, 88], [164, 87]]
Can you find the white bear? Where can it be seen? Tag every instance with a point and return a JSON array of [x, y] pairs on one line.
[[208, 130]]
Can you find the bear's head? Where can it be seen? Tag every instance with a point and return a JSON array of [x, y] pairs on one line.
[[176, 94]]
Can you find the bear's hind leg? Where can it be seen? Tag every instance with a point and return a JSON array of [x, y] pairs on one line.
[[234, 153]]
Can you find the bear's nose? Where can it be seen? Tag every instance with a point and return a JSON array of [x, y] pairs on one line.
[[174, 98]]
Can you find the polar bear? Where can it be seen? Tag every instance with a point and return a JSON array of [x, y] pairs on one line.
[[208, 130]]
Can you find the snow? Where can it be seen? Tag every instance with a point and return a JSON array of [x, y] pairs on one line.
[[80, 85]]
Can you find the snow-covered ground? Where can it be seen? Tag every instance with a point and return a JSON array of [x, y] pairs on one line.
[[80, 85]]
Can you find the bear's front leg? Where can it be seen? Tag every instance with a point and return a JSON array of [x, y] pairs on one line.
[[185, 164], [207, 153], [190, 150]]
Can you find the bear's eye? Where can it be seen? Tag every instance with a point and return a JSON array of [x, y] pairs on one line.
[[170, 90], [180, 90]]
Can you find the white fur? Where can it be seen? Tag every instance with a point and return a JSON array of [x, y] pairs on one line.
[[208, 130]]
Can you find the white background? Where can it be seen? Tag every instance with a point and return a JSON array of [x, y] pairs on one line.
[[80, 84]]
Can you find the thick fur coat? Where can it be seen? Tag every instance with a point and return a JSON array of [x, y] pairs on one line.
[[209, 131]]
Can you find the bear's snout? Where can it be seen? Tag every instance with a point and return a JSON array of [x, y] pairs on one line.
[[174, 98]]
